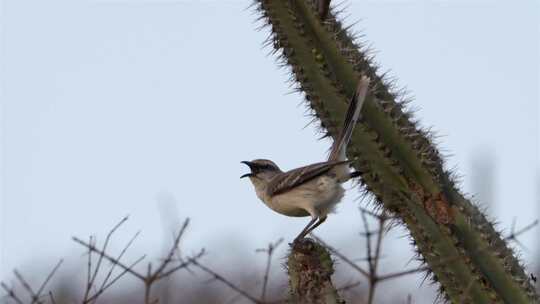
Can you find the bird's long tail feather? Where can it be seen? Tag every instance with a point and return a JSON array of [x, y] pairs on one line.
[[337, 153]]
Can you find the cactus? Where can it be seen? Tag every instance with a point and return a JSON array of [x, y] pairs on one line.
[[310, 268], [399, 164]]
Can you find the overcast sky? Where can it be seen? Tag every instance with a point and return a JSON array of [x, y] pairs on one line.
[[133, 107]]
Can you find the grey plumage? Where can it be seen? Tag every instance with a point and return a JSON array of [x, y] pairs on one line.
[[285, 181]]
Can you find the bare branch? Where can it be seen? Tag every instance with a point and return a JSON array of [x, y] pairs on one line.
[[367, 233], [104, 284], [107, 240], [158, 273], [34, 296], [269, 251], [103, 288], [51, 274], [89, 270], [227, 282], [182, 265], [342, 256], [25, 284], [349, 286], [51, 297], [401, 273], [151, 276], [514, 234], [373, 260], [113, 260], [11, 293]]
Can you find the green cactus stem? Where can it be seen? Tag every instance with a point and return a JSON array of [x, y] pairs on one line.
[[399, 164]]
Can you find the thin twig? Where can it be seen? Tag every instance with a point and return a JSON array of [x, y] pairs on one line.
[[348, 286], [513, 236], [34, 296], [373, 259], [51, 274], [105, 244], [149, 278], [269, 251], [88, 270], [378, 246], [25, 284], [148, 284], [100, 291], [341, 256], [170, 255], [113, 260], [374, 279], [182, 265], [104, 284], [229, 284], [401, 273], [11, 293], [373, 254], [51, 297]]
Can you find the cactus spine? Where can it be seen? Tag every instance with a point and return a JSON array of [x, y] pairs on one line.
[[400, 165]]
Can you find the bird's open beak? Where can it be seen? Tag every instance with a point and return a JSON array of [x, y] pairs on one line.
[[250, 165]]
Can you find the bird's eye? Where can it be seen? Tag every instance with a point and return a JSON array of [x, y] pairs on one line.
[[269, 167]]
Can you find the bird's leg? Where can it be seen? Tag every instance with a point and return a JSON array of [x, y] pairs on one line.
[[321, 220], [304, 231]]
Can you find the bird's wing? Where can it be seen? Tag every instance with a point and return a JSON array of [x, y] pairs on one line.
[[337, 152], [288, 180]]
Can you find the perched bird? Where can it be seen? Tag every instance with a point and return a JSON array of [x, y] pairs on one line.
[[313, 190]]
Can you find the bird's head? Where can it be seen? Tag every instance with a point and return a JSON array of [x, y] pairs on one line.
[[262, 169]]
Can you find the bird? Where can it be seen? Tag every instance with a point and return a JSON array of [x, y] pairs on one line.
[[313, 190]]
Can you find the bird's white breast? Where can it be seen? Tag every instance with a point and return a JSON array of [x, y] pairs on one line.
[[316, 198]]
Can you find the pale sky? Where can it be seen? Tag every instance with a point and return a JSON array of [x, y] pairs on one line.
[[118, 107]]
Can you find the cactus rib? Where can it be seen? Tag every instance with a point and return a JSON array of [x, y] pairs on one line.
[[398, 161]]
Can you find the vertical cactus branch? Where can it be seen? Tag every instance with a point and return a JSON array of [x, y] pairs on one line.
[[310, 268], [400, 165]]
